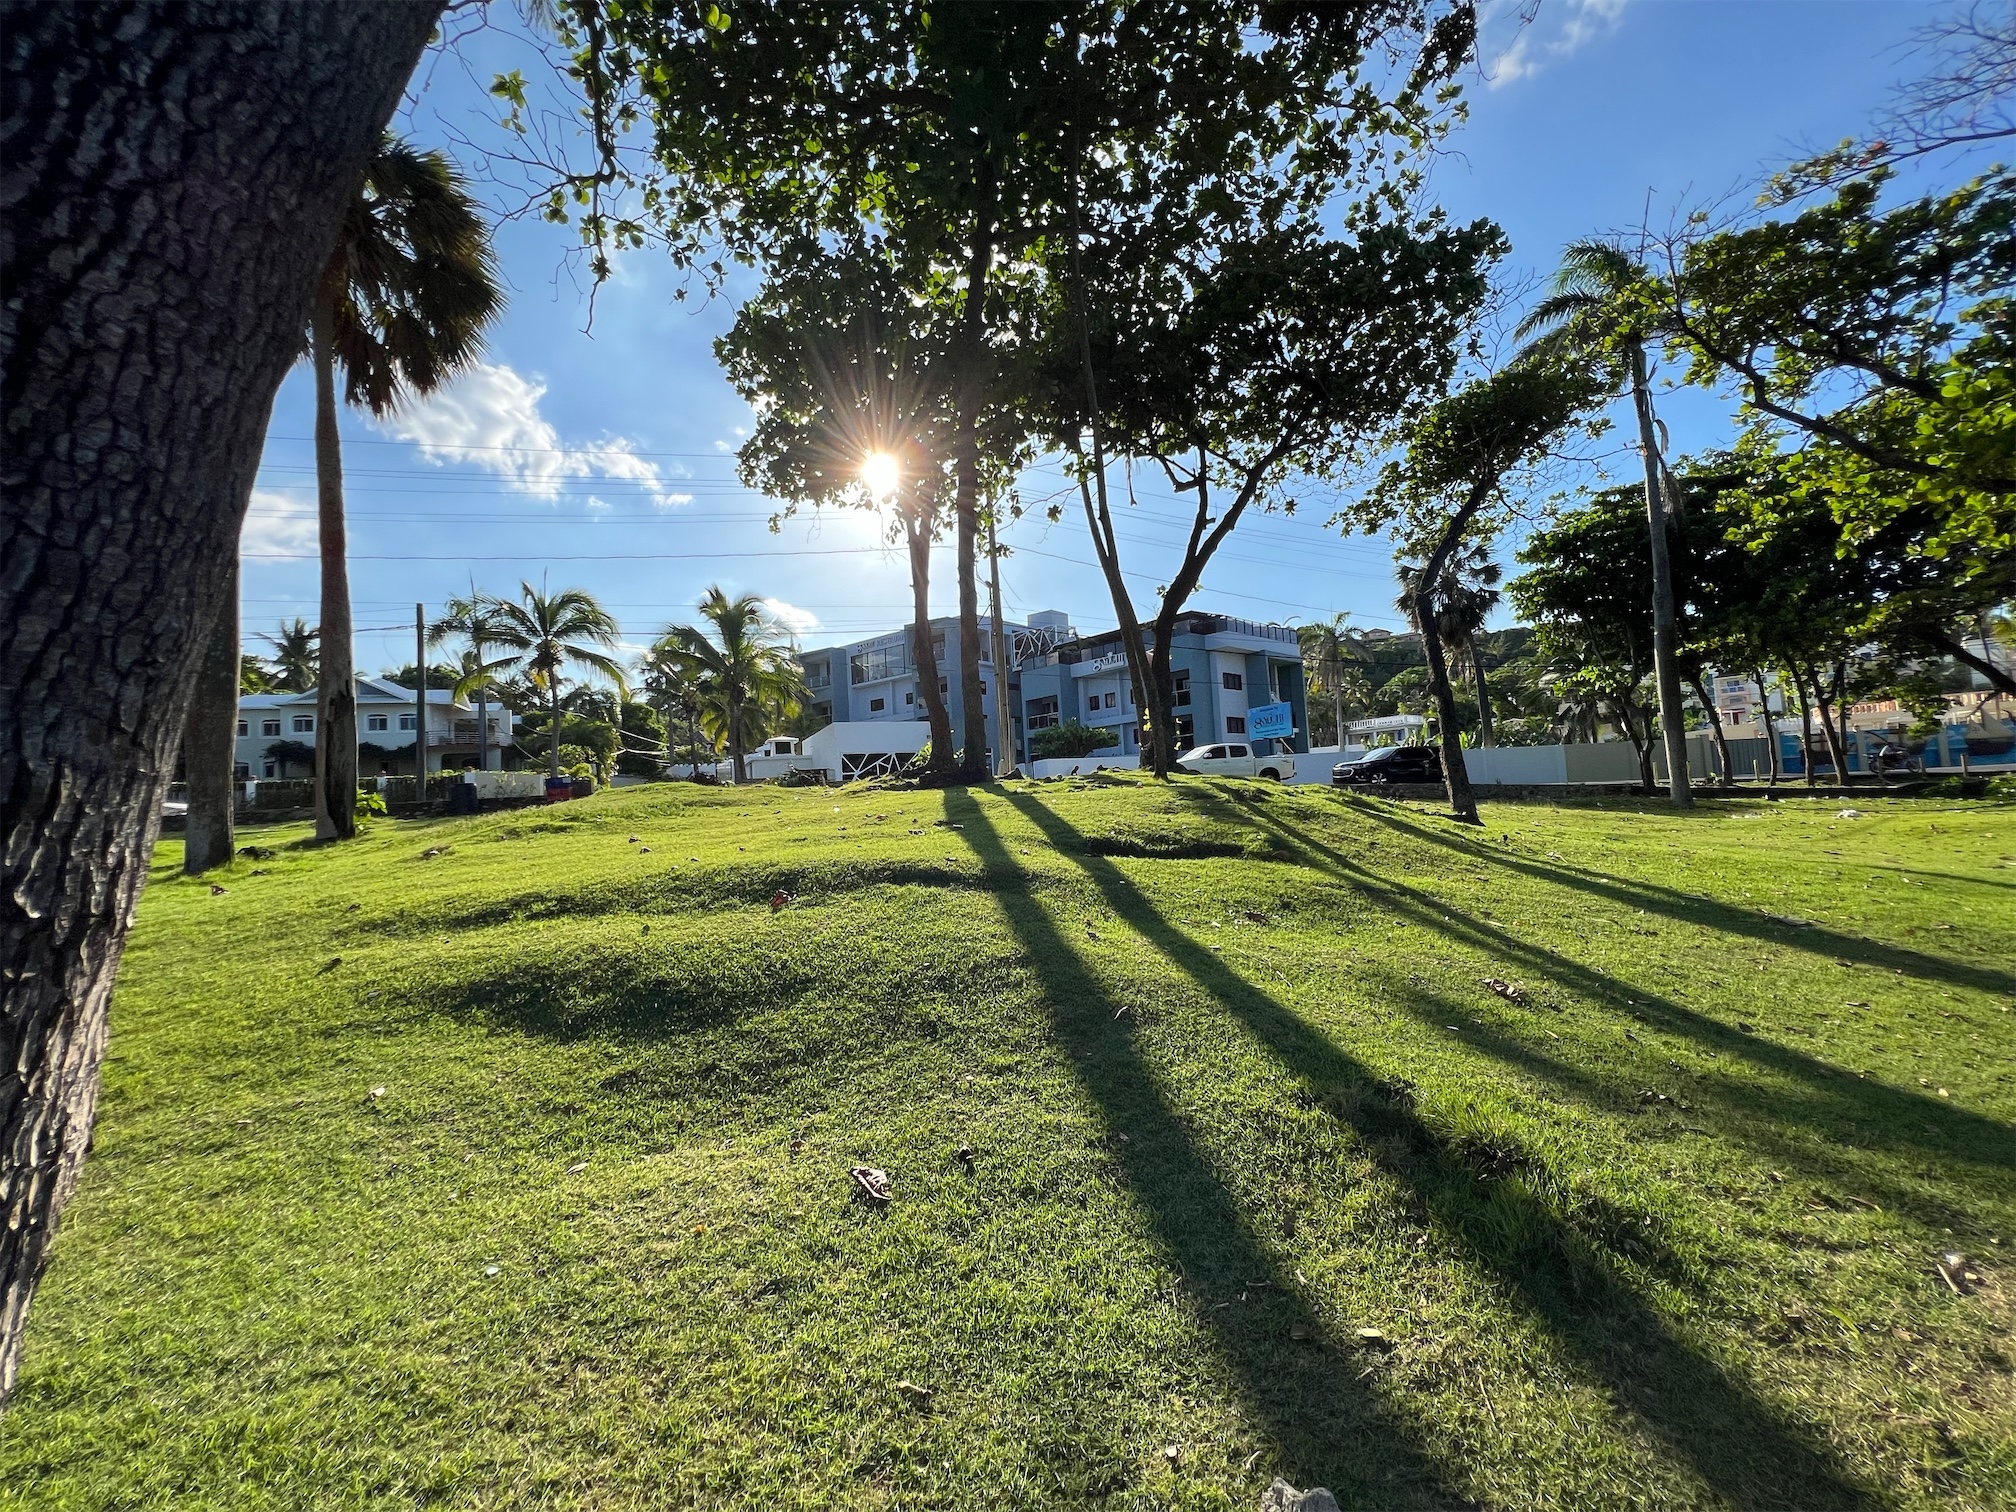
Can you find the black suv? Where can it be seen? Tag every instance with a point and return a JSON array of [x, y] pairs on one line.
[[1402, 763]]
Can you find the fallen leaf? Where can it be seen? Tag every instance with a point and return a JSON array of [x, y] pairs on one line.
[[1372, 1338], [1254, 916], [916, 1393], [1298, 1330], [1506, 990], [633, 839], [216, 888], [871, 1183], [377, 1092], [778, 899], [643, 850], [577, 1168]]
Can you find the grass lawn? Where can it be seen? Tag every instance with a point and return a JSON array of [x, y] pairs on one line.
[[503, 1162]]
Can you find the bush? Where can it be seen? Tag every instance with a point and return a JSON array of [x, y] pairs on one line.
[[370, 802], [802, 777], [1529, 730], [1071, 739]]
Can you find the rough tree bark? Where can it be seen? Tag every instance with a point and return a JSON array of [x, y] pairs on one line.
[[917, 538], [210, 742], [1728, 778], [1665, 638], [336, 688], [1455, 777], [966, 499], [171, 180]]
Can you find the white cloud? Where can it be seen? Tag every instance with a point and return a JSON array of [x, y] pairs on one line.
[[279, 522], [791, 617], [489, 417], [1574, 25]]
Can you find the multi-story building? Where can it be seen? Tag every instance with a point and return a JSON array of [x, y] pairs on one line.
[[387, 724], [877, 679], [1222, 667]]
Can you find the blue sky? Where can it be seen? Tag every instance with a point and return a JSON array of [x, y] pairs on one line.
[[601, 457]]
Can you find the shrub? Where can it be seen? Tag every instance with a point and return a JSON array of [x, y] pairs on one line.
[[1071, 739]]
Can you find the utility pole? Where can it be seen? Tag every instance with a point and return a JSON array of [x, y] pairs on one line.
[[1664, 640], [1004, 735], [420, 704]]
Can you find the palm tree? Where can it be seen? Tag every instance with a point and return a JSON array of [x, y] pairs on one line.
[[543, 633], [1326, 652], [296, 658], [400, 307], [1463, 601], [1589, 314], [741, 667], [469, 617]]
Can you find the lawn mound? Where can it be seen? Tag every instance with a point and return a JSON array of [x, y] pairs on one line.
[[1230, 1132]]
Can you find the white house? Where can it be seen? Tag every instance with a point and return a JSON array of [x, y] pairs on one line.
[[387, 717]]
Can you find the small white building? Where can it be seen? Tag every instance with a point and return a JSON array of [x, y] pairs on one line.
[[388, 718]]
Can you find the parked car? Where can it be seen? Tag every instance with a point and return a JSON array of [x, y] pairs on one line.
[[1234, 760], [1401, 763]]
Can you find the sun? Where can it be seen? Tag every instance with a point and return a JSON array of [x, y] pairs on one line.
[[882, 474]]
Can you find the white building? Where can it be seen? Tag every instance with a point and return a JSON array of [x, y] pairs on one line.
[[388, 718]]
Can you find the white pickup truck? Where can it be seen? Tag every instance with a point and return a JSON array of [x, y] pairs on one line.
[[1236, 760]]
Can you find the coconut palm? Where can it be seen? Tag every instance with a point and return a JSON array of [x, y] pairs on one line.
[[296, 658], [541, 634], [1592, 314], [1463, 601], [740, 664], [1333, 664], [469, 617], [401, 307]]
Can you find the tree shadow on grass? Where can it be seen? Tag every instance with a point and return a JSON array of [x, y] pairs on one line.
[[1709, 913], [1325, 1426], [1734, 1442], [1837, 1102]]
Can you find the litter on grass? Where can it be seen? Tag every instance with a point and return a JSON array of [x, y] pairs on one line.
[[871, 1183]]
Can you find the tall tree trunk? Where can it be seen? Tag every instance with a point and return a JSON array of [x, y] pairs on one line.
[[1770, 728], [482, 710], [1455, 778], [172, 180], [552, 736], [917, 537], [1665, 641], [1830, 730], [735, 736], [966, 501], [210, 743], [336, 689], [1487, 734], [1715, 724], [1805, 725], [1148, 718], [1998, 679]]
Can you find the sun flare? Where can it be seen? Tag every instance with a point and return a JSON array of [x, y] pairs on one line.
[[882, 474]]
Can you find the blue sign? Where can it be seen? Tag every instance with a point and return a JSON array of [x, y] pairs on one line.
[[1270, 721]]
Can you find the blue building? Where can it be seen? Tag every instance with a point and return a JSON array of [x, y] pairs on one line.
[[877, 679], [1223, 667]]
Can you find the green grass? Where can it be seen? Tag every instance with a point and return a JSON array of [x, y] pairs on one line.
[[1662, 1234]]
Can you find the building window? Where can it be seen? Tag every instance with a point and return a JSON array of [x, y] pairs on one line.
[[983, 690], [1042, 713], [1234, 682], [1234, 725], [269, 727], [244, 727], [818, 673], [1183, 690], [267, 768], [878, 662], [876, 705], [1112, 700], [909, 698], [1186, 731], [374, 721], [943, 687], [409, 721], [304, 724]]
